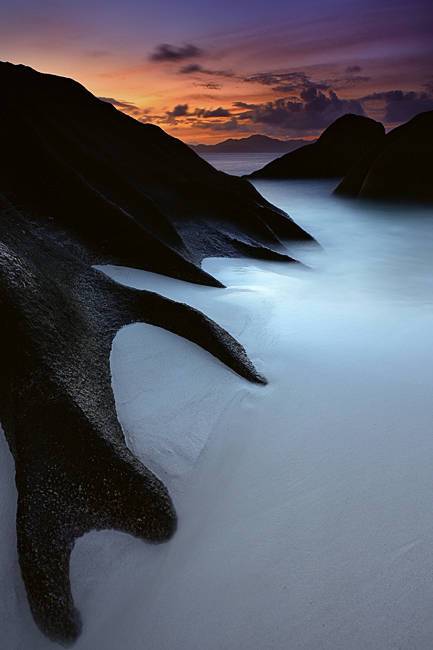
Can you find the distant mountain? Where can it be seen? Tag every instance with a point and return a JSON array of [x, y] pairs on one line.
[[340, 146], [252, 144], [401, 168]]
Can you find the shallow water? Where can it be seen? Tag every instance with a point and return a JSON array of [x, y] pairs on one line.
[[306, 506], [239, 164]]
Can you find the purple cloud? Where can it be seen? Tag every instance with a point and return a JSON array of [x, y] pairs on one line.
[[231, 125], [180, 110], [213, 112], [167, 52], [399, 105], [196, 68], [314, 110], [286, 82], [353, 69]]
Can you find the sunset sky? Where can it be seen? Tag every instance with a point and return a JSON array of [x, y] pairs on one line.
[[205, 71]]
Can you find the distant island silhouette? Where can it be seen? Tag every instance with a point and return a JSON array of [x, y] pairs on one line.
[[251, 144]]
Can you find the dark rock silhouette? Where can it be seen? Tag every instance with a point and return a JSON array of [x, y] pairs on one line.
[[343, 143], [82, 184], [132, 193], [251, 144], [400, 169]]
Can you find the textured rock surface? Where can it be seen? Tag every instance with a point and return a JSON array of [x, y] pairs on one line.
[[400, 169], [81, 184], [348, 139], [74, 472]]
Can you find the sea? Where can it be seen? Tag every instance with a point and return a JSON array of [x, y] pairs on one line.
[[305, 506]]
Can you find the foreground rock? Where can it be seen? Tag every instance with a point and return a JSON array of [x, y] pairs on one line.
[[401, 169], [340, 146], [74, 471], [135, 195], [82, 184]]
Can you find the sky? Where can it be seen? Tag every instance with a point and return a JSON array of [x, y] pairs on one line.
[[206, 70]]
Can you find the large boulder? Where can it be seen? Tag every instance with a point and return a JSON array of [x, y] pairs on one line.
[[401, 169], [340, 146], [134, 194], [82, 184]]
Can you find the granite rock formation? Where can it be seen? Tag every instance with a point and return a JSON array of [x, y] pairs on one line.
[[401, 169], [340, 146], [83, 184]]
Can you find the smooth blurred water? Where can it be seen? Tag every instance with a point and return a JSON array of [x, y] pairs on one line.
[[306, 516], [239, 164], [306, 506], [371, 251]]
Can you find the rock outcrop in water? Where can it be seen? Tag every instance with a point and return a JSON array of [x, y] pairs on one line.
[[82, 184], [401, 169], [340, 146]]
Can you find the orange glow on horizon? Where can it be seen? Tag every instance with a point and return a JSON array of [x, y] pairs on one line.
[[201, 105]]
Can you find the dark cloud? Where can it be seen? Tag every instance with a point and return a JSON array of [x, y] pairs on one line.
[[301, 106], [293, 83], [191, 68], [195, 68], [244, 105], [353, 69], [213, 112], [167, 52], [224, 127], [347, 81], [286, 82], [399, 105], [180, 110], [355, 79], [210, 85], [314, 110], [350, 78]]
